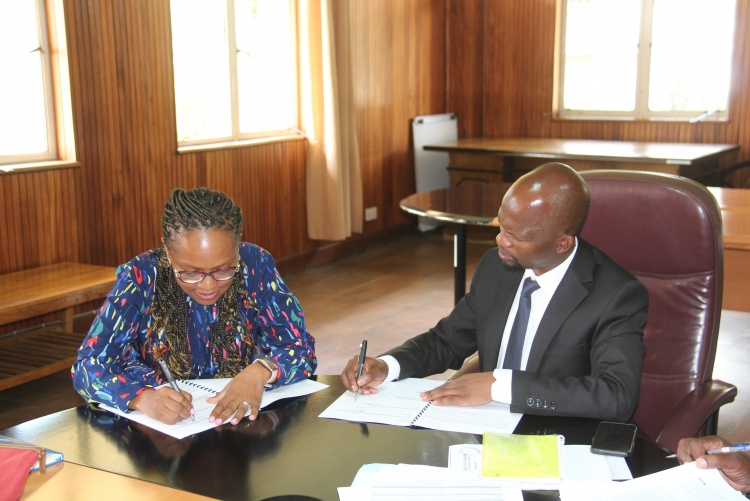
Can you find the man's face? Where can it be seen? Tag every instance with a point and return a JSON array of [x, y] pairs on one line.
[[527, 239]]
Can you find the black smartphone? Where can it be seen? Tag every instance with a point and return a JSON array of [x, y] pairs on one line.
[[614, 439]]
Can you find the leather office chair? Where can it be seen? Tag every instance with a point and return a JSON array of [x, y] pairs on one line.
[[667, 231]]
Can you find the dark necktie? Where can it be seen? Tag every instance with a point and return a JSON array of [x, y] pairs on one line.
[[514, 351]]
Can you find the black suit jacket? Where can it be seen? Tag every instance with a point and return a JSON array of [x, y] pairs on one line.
[[588, 351]]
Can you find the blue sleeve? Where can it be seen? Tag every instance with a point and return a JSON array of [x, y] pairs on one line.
[[281, 334], [110, 368]]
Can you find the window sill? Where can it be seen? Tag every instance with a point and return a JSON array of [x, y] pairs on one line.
[[686, 120], [193, 148], [38, 166]]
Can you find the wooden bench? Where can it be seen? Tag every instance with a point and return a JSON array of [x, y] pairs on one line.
[[35, 292]]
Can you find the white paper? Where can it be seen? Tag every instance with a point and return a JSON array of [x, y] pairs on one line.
[[685, 482], [201, 389], [398, 403], [425, 483]]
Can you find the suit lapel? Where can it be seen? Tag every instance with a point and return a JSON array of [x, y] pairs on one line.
[[573, 288]]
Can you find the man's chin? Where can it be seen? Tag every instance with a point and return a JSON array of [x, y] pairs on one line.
[[510, 265], [508, 262]]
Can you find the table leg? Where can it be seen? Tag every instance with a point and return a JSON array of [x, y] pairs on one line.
[[459, 262]]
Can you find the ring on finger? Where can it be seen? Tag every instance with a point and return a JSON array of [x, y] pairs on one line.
[[249, 407]]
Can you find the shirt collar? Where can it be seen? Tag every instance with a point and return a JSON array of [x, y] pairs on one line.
[[549, 281]]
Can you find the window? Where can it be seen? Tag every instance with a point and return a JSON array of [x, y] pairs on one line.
[[234, 69], [647, 59], [34, 90]]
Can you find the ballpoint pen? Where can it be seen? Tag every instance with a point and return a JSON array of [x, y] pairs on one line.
[[360, 364], [170, 379], [741, 447]]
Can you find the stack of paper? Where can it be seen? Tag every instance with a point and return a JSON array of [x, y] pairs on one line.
[[425, 483]]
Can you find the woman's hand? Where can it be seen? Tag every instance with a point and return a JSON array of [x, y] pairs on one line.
[[165, 404], [244, 392]]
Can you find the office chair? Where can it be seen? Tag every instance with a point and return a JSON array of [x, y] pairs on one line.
[[667, 231], [723, 177]]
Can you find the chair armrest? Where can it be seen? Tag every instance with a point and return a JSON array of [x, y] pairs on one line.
[[469, 366], [693, 411]]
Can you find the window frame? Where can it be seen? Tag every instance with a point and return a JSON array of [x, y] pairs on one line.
[[57, 96], [641, 111], [238, 138]]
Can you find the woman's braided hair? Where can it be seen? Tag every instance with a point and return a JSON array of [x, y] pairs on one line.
[[186, 211]]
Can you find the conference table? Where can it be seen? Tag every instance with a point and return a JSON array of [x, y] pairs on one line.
[[288, 453], [477, 204], [497, 160]]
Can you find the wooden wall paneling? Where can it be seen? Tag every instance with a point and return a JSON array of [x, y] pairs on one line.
[[464, 64], [518, 65], [267, 182], [398, 52]]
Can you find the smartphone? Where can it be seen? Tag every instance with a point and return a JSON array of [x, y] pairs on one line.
[[614, 439]]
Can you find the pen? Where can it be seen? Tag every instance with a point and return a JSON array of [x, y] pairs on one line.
[[170, 379], [361, 364], [741, 447]]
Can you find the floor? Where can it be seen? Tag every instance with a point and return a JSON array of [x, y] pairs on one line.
[[387, 295]]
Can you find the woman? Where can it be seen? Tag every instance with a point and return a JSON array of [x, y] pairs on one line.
[[206, 303]]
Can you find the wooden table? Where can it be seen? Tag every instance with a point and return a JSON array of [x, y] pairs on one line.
[[496, 160], [735, 213], [70, 481], [35, 292]]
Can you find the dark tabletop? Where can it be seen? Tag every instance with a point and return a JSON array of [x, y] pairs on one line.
[[287, 453]]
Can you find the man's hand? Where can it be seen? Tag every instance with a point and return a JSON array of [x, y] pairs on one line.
[[374, 373], [244, 392], [164, 404], [467, 390], [733, 466]]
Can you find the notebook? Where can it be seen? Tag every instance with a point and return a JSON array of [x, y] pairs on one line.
[[201, 389], [398, 403], [538, 457]]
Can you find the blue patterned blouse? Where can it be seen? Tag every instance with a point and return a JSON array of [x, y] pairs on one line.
[[115, 362]]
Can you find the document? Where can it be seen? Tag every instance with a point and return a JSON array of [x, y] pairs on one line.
[[201, 389], [425, 483], [578, 463], [398, 403], [678, 483]]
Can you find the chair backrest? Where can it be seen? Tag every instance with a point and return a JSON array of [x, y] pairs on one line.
[[667, 231]]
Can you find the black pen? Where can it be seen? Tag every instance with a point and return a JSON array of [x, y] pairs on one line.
[[360, 364], [170, 379]]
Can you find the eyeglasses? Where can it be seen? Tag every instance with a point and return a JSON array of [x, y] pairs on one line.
[[195, 277]]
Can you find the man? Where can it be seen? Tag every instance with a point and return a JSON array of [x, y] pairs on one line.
[[581, 350], [733, 466]]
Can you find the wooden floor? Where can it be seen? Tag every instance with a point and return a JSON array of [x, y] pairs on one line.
[[387, 295]]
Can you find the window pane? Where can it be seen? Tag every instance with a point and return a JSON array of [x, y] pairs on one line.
[[601, 54], [264, 65], [23, 120], [691, 55], [201, 69]]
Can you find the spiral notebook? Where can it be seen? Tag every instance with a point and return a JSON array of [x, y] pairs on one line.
[[398, 403], [201, 389]]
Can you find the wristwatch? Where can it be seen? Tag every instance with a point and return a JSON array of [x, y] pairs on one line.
[[270, 367]]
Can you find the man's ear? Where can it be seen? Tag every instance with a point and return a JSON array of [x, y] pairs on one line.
[[564, 243]]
